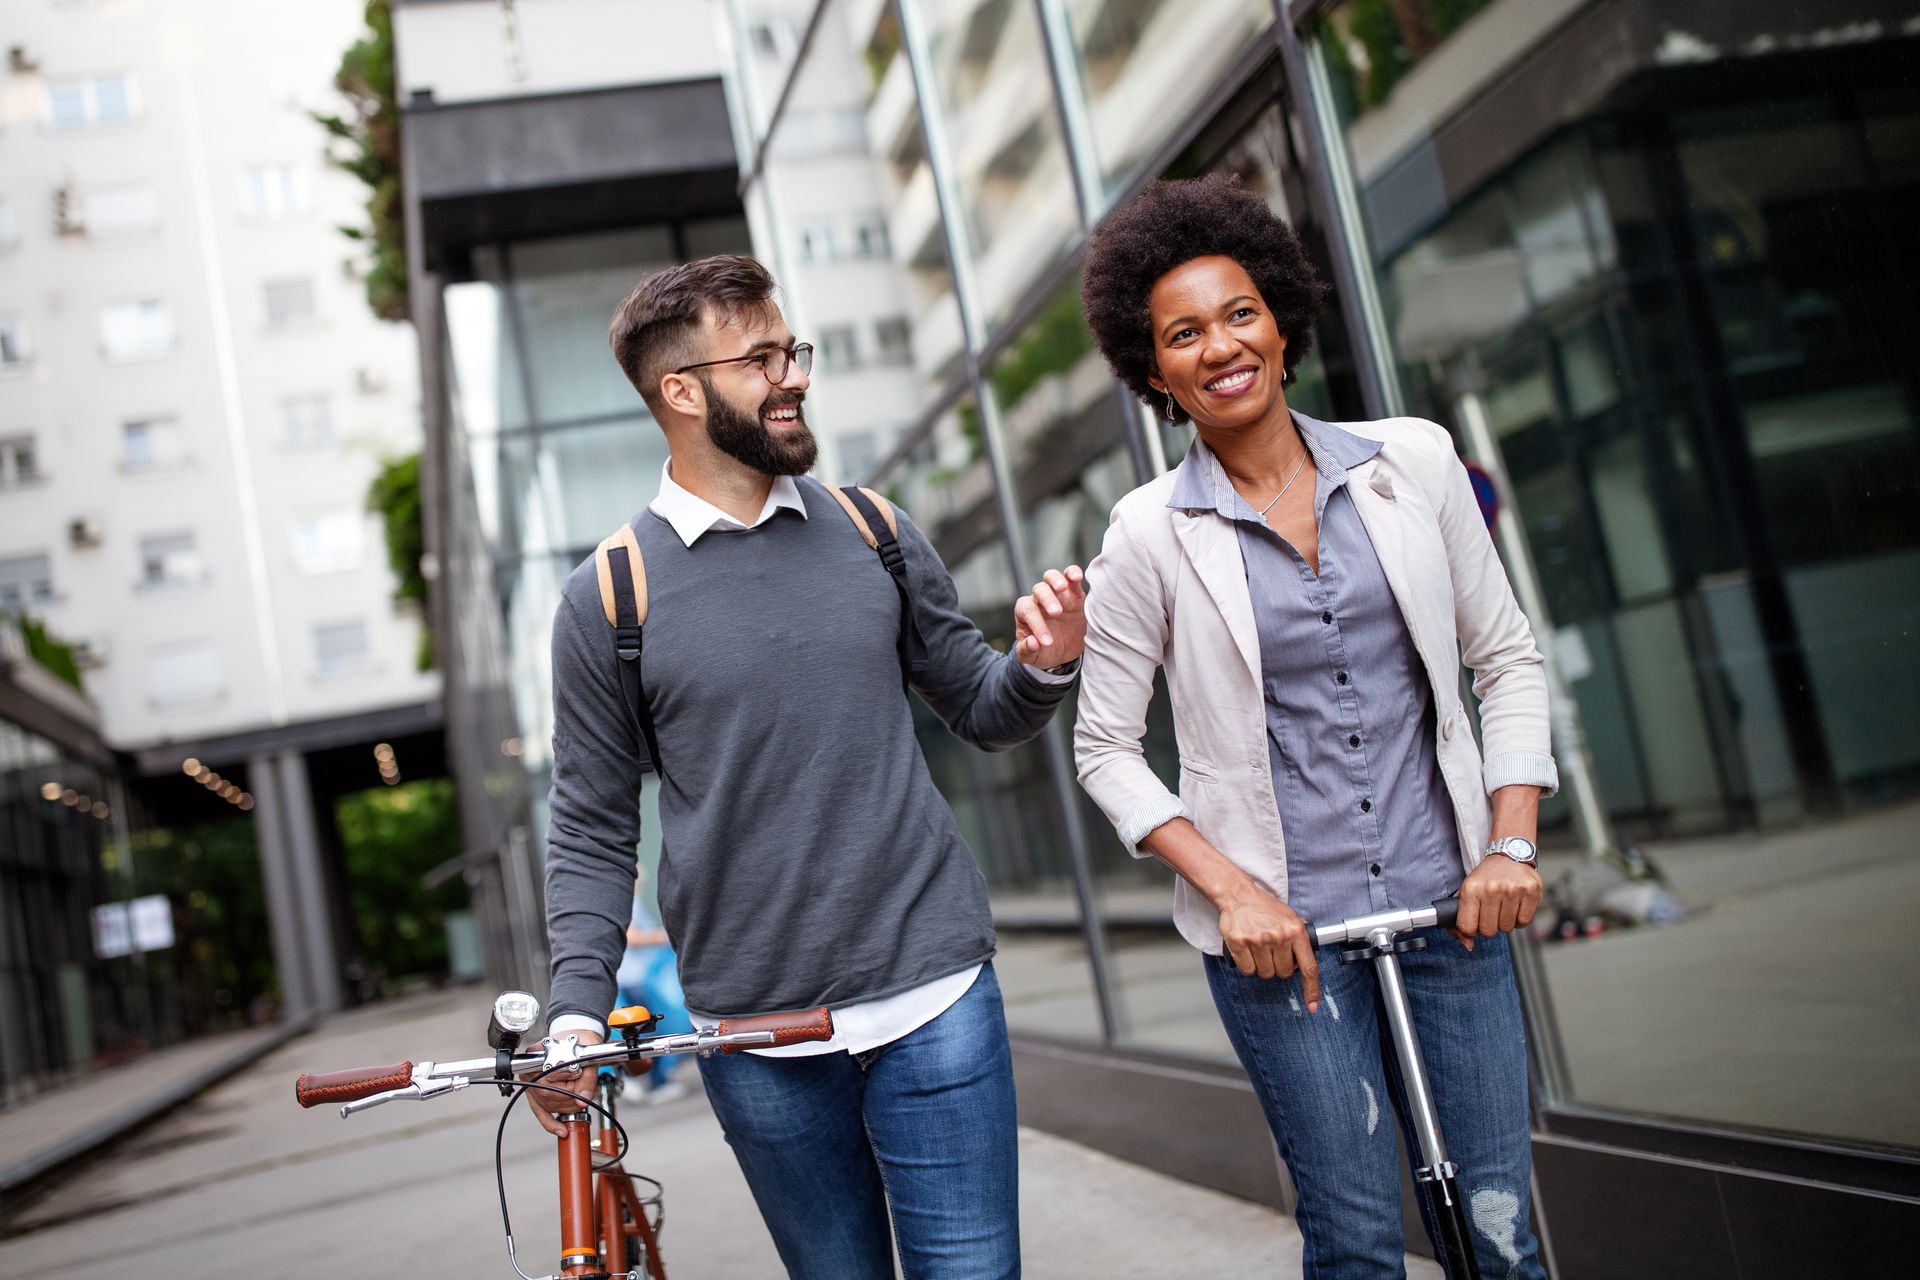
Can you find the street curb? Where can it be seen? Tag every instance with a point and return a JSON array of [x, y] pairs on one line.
[[23, 1173]]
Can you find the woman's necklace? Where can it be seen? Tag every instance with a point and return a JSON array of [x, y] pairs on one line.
[[1289, 484]]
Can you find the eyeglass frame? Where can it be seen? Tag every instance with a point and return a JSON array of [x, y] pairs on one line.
[[792, 354]]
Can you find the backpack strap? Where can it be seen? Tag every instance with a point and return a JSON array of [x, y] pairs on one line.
[[622, 575], [874, 517]]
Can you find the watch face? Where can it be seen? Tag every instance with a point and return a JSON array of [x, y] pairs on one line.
[[1519, 848]]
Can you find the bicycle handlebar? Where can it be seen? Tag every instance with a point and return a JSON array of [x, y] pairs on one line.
[[351, 1085], [786, 1028], [362, 1087], [1440, 915]]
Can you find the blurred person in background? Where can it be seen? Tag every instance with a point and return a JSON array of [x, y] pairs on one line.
[[1310, 591], [649, 974], [807, 858]]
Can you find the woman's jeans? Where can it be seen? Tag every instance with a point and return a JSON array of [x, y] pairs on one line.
[[923, 1126], [1329, 1093]]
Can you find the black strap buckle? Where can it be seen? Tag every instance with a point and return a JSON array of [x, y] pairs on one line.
[[626, 642]]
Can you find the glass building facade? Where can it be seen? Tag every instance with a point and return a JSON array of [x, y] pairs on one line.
[[1647, 260], [1649, 263]]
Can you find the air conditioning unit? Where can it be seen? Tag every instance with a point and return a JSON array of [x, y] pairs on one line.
[[90, 653], [67, 217], [85, 533]]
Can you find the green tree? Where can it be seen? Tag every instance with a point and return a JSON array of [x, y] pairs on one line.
[[392, 836], [394, 496], [367, 145]]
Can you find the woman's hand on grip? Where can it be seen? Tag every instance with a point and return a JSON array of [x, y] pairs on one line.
[[1264, 936]]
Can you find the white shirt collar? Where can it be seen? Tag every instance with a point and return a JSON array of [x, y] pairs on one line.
[[691, 515]]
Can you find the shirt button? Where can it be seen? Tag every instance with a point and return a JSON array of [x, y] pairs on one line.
[[1366, 806], [1341, 677], [1326, 617], [1354, 740], [1375, 868]]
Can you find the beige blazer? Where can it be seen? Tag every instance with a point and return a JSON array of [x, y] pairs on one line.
[[1169, 591]]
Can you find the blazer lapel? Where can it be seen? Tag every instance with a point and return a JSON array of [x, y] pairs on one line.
[[1213, 549], [1371, 487]]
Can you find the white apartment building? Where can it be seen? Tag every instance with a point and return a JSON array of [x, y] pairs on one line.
[[193, 393], [194, 398]]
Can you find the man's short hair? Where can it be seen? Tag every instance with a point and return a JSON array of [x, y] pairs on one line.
[[656, 329]]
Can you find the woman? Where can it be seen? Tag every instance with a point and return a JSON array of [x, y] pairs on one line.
[[1310, 591]]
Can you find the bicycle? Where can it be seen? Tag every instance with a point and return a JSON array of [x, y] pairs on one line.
[[603, 1216], [1376, 935]]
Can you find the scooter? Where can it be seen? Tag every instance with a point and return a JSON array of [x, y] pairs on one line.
[[1378, 936]]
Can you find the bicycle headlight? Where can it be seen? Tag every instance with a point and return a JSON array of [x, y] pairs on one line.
[[514, 1013]]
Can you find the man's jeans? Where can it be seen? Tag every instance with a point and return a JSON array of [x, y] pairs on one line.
[[923, 1126], [1329, 1095]]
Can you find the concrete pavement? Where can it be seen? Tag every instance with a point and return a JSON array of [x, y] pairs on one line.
[[242, 1183]]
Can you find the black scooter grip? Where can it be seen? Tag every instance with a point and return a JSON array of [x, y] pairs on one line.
[[1449, 909]]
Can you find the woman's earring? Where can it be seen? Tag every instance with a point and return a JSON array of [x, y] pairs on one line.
[[1173, 410]]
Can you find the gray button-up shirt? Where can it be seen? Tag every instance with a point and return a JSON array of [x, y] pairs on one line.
[[1350, 717]]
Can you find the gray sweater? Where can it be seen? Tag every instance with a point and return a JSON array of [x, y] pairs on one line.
[[806, 856]]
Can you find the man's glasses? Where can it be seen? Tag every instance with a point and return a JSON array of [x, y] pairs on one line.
[[773, 362]]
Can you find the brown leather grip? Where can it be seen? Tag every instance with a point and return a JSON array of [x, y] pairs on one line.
[[347, 1086], [787, 1028]]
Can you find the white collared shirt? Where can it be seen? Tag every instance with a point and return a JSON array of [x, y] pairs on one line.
[[856, 1027]]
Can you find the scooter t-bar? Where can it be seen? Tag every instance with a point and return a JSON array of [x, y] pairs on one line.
[[1378, 940]]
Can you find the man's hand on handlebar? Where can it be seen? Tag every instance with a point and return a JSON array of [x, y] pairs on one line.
[[580, 1082], [1264, 936], [1500, 896]]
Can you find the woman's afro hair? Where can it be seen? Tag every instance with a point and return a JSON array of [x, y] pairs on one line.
[[1175, 222]]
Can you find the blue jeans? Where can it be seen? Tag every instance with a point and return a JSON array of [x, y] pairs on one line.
[[923, 1126], [1326, 1088]]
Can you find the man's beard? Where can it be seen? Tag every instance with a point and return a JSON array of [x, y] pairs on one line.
[[747, 438]]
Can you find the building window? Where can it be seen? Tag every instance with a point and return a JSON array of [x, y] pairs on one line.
[[181, 673], [18, 463], [90, 102], [14, 350], [327, 541], [273, 191], [895, 339], [839, 347], [870, 237], [136, 330], [25, 580], [859, 454], [306, 421], [819, 243], [289, 302], [150, 444], [171, 560], [340, 647], [121, 209]]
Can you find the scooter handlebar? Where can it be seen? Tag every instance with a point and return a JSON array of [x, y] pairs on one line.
[[1440, 915]]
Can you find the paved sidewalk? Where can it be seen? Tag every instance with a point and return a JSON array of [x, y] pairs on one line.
[[241, 1183], [52, 1129]]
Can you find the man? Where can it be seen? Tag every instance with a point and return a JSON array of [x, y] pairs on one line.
[[807, 858]]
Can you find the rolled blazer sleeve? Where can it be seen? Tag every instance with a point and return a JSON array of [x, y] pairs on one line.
[[1127, 633], [1496, 641]]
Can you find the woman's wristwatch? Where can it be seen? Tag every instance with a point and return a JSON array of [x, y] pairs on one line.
[[1519, 848]]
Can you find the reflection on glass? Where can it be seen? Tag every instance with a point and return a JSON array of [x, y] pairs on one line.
[[1003, 132], [768, 33], [1676, 312], [906, 200], [1145, 65], [1066, 425], [1006, 803]]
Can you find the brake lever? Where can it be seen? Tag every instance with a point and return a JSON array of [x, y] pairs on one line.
[[415, 1092]]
